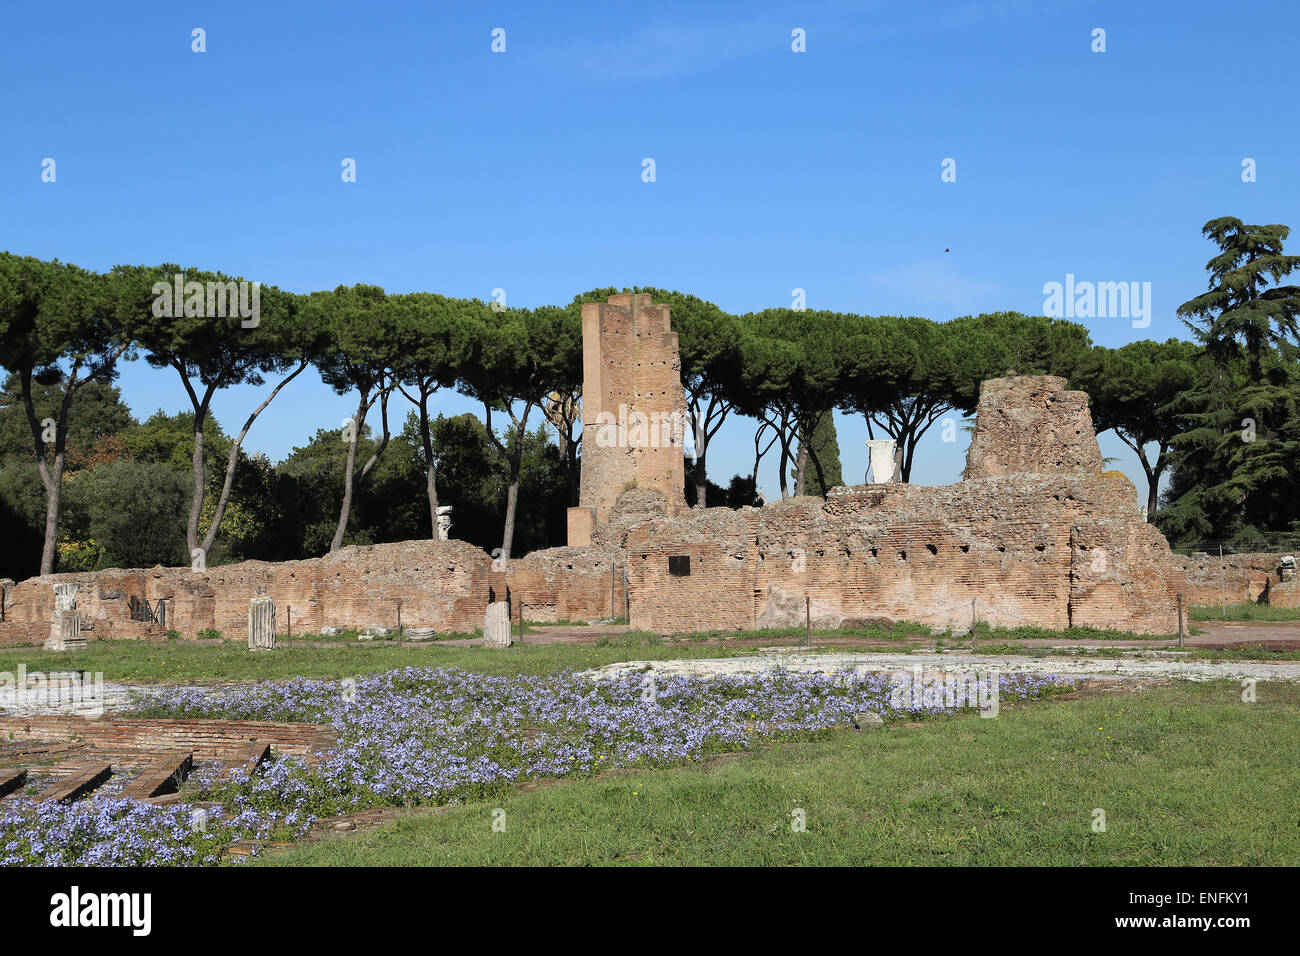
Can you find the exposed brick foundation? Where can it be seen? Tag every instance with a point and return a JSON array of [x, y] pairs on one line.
[[207, 739]]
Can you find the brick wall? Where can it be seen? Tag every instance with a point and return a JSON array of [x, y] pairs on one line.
[[15, 633], [208, 739], [442, 584], [1242, 578], [1034, 535], [569, 584], [630, 366], [1025, 548]]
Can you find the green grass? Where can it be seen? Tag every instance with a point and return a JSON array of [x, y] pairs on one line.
[[1257, 652], [184, 662], [985, 633], [1243, 612], [1188, 775]]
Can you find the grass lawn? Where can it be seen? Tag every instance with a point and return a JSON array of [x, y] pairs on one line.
[[1186, 775], [188, 662], [1243, 612]]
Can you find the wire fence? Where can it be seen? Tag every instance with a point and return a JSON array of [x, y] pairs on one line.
[[1276, 543]]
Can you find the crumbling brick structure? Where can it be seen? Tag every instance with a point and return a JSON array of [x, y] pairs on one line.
[[1035, 535], [633, 410], [440, 584], [1032, 424], [1235, 579]]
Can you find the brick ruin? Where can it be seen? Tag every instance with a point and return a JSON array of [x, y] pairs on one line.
[[64, 758], [439, 584], [633, 411], [1033, 534]]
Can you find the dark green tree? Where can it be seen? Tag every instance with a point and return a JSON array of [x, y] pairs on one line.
[[98, 413], [435, 339], [313, 477], [362, 333], [1235, 461], [793, 375], [56, 328], [22, 519], [132, 513], [825, 448], [523, 356], [203, 335]]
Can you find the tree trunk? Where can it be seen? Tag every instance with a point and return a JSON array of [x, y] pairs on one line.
[[233, 460], [341, 529], [1153, 474], [780, 471], [700, 471], [512, 500], [53, 482], [801, 470], [515, 458], [759, 452], [53, 501], [431, 471], [813, 457], [903, 455], [200, 479]]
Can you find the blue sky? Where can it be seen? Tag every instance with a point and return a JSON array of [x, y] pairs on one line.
[[774, 169]]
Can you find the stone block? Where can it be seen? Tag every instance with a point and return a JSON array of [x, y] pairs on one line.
[[261, 624], [581, 522], [496, 625], [65, 623]]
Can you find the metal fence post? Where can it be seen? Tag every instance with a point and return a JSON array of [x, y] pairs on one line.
[[1223, 584], [1180, 618]]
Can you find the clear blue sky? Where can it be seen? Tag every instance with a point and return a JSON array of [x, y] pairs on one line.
[[775, 169]]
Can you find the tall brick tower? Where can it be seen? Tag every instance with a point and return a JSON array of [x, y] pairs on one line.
[[633, 409]]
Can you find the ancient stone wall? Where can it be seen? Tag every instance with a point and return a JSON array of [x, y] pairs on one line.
[[1239, 578], [1034, 535], [1043, 550], [208, 739], [566, 584], [441, 584], [1032, 424]]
